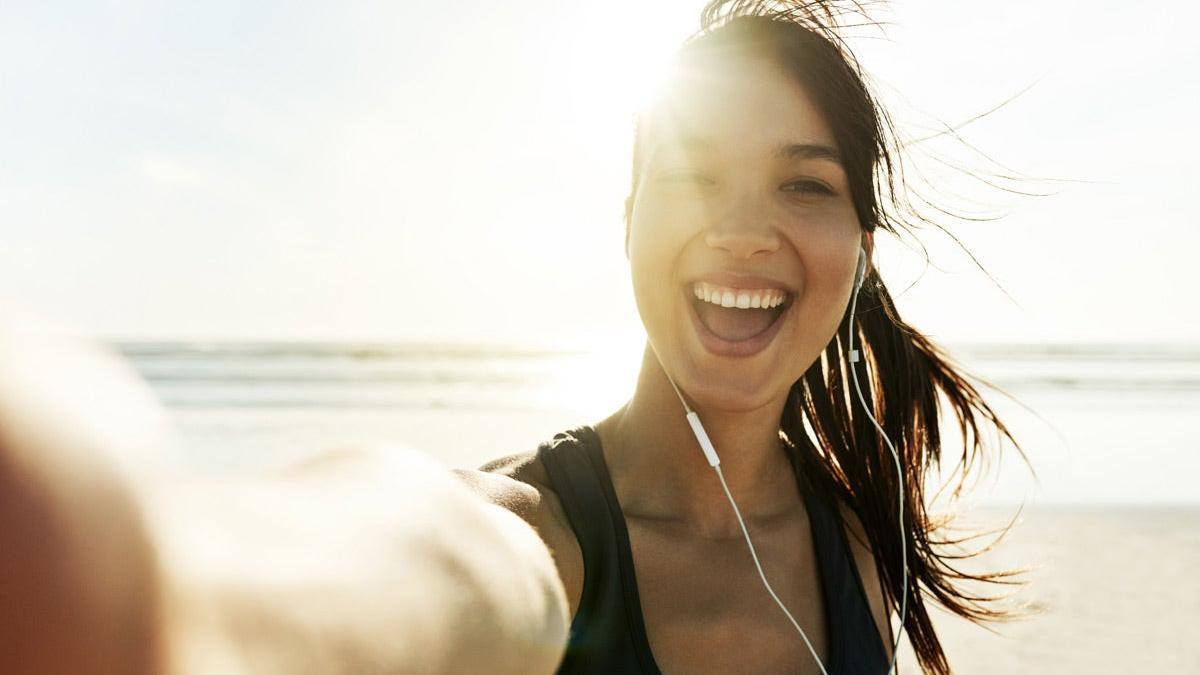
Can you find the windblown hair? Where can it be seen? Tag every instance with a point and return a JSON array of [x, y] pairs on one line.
[[907, 379]]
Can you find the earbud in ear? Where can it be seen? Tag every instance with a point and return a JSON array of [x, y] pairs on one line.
[[862, 269]]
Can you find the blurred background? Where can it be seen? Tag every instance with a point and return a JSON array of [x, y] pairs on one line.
[[312, 224]]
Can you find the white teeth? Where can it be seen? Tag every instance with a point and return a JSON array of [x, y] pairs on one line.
[[766, 298]]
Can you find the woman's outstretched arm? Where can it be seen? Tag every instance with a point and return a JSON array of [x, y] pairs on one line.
[[360, 561]]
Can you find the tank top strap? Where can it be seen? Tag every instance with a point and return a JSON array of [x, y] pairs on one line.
[[855, 645], [605, 631]]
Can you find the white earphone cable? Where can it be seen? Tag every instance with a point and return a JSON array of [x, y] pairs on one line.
[[762, 575], [854, 358]]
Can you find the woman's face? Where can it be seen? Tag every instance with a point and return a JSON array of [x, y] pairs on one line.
[[743, 201]]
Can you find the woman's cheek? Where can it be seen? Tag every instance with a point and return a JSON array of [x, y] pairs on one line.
[[654, 256], [658, 238], [646, 264]]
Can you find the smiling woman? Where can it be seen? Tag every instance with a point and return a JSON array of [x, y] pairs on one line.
[[778, 438], [761, 173]]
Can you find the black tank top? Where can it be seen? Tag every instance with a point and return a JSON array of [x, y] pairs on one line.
[[608, 634]]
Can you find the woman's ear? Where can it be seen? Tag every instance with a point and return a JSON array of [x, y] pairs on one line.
[[868, 245]]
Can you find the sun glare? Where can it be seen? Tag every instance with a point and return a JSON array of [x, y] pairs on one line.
[[624, 57]]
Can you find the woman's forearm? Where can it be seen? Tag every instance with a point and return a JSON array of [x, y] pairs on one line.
[[363, 561]]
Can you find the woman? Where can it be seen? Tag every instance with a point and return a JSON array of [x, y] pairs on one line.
[[760, 176]]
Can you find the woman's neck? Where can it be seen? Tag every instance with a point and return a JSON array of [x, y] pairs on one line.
[[659, 471]]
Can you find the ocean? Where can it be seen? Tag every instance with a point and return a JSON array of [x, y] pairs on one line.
[[1110, 525], [1100, 424]]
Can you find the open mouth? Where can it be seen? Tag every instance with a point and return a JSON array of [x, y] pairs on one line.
[[737, 321]]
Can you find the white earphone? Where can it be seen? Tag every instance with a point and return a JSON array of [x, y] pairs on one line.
[[861, 273], [710, 453]]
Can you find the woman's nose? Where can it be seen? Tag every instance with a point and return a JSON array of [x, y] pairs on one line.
[[743, 237]]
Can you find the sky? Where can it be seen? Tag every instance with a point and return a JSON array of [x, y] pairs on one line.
[[456, 171]]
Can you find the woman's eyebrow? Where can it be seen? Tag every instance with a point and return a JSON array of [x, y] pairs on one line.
[[698, 145], [810, 151], [687, 145]]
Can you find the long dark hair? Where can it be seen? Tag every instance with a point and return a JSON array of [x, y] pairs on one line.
[[907, 379]]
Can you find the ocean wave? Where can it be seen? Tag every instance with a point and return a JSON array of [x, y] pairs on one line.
[[332, 350]]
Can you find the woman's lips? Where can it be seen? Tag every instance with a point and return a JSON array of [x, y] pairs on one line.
[[735, 340]]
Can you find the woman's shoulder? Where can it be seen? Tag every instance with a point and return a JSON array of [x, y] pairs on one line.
[[521, 484], [517, 482]]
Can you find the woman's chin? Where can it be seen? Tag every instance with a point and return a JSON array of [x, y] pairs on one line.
[[733, 392]]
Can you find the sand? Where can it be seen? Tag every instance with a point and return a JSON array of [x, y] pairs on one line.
[[1117, 587]]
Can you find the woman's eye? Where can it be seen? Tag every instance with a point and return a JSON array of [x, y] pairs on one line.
[[807, 187]]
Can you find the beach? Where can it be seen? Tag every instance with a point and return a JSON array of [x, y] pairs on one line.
[[1111, 526], [1115, 587]]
